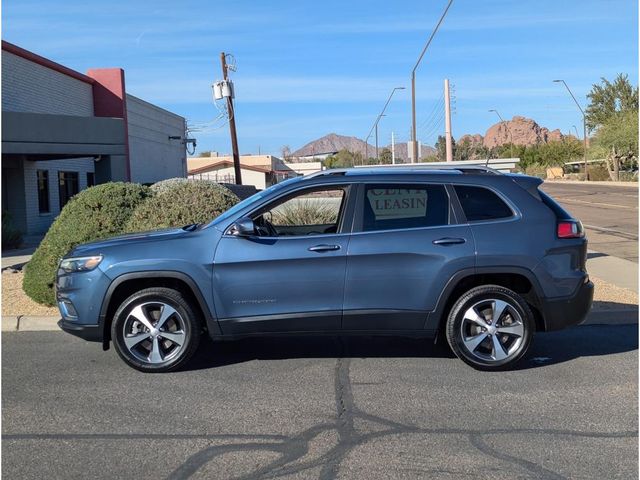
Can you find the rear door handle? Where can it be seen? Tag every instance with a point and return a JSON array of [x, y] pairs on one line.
[[324, 248], [449, 241]]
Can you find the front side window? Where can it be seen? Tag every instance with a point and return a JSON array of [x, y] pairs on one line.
[[43, 191], [391, 207], [68, 186], [479, 203], [312, 212]]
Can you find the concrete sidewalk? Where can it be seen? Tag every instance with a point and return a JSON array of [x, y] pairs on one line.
[[617, 271]]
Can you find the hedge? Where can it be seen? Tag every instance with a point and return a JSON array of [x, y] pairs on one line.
[[93, 214], [179, 203]]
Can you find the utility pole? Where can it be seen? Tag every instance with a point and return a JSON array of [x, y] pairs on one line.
[[232, 125], [414, 139], [393, 149], [447, 121], [584, 126]]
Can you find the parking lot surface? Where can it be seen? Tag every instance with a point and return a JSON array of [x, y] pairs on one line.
[[323, 408], [608, 212]]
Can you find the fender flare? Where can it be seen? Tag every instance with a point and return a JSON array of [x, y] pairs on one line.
[[435, 316], [210, 320]]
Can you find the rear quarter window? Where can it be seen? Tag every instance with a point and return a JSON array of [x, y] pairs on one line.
[[479, 203]]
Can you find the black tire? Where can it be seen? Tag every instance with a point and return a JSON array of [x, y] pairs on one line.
[[513, 330], [183, 326]]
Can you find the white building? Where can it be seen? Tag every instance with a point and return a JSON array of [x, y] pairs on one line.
[[63, 131], [260, 171]]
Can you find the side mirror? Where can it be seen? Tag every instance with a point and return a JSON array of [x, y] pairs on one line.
[[243, 228]]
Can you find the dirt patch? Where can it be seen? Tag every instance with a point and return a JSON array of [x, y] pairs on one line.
[[15, 302], [611, 297]]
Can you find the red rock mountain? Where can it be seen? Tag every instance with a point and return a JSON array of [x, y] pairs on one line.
[[519, 130]]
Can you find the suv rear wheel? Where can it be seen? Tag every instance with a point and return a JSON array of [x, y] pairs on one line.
[[490, 327], [155, 330]]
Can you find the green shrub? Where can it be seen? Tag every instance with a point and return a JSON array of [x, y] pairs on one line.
[[182, 203], [166, 185], [598, 173], [95, 213], [11, 237]]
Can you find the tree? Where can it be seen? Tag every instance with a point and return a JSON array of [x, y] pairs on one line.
[[385, 156], [441, 148], [609, 99], [206, 153], [617, 141], [343, 159], [285, 151]]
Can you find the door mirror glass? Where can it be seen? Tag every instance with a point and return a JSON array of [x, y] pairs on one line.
[[243, 228]]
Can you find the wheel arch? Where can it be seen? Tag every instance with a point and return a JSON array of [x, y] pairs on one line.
[[126, 284], [518, 279]]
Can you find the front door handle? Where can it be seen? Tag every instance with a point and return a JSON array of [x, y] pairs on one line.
[[324, 248], [449, 241]]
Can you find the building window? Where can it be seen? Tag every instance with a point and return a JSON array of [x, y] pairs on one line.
[[91, 179], [43, 191], [68, 184]]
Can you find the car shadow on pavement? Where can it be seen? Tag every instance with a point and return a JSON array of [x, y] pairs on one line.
[[547, 349]]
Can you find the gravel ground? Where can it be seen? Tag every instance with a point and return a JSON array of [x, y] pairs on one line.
[[15, 302], [608, 296]]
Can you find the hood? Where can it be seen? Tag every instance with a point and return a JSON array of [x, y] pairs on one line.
[[96, 247]]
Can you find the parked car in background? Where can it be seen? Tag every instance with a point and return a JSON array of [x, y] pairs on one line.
[[483, 258]]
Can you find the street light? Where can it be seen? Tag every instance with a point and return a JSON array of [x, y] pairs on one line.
[[576, 129], [375, 125], [508, 130], [413, 85], [584, 126]]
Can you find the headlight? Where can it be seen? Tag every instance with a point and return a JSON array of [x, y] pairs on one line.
[[80, 264]]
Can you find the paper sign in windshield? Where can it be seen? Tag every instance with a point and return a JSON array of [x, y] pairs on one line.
[[392, 203]]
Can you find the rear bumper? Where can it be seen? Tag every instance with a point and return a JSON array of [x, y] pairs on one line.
[[92, 333], [568, 311]]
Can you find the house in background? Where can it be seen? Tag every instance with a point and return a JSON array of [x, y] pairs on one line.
[[261, 171], [63, 131]]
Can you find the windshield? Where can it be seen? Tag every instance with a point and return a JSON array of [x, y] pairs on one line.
[[253, 198]]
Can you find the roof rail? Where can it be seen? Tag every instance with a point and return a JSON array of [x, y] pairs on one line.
[[464, 169], [331, 171], [424, 166]]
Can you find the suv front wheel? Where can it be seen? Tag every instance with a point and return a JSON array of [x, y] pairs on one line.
[[490, 327], [155, 330]]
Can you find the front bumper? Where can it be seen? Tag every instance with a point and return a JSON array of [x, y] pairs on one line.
[[92, 333], [568, 311]]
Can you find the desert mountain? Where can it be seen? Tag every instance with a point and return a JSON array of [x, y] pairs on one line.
[[334, 143]]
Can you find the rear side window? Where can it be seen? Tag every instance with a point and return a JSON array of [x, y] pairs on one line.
[[480, 203], [391, 207]]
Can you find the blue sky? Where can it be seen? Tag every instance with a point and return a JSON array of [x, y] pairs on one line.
[[308, 68]]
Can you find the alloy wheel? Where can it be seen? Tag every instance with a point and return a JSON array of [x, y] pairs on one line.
[[492, 330], [154, 332]]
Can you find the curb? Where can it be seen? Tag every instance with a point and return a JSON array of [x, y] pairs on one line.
[[23, 323]]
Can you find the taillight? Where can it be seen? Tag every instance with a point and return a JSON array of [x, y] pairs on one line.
[[570, 229]]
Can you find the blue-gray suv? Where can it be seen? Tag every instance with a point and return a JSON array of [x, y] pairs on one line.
[[483, 258]]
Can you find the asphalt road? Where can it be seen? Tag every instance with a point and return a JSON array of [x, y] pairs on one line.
[[609, 214], [323, 408]]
